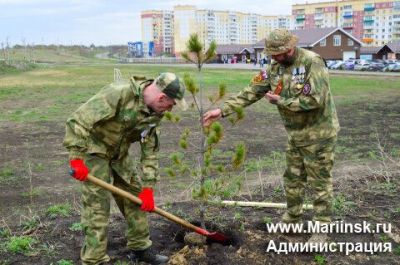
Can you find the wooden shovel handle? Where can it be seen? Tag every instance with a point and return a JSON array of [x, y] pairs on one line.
[[138, 201]]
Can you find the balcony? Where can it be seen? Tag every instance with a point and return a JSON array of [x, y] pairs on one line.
[[368, 25], [348, 15], [396, 5], [396, 18], [369, 8], [347, 26], [368, 20], [318, 16], [367, 40], [300, 17], [396, 29]]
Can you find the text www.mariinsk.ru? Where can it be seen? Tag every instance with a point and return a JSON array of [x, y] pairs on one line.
[[338, 227]]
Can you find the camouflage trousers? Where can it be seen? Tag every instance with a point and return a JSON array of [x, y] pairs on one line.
[[310, 164], [96, 210]]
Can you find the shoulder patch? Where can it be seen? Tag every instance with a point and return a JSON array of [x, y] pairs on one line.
[[260, 77]]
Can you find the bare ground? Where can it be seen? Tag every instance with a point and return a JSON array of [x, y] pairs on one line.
[[33, 167]]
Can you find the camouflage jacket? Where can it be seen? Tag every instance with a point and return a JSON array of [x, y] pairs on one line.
[[110, 121], [306, 105]]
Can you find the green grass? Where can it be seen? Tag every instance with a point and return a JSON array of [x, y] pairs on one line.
[[319, 259], [7, 174], [52, 93], [65, 262], [396, 250], [76, 227], [341, 205], [57, 210], [57, 54], [20, 244]]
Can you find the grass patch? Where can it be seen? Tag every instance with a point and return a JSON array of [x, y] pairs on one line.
[[76, 227], [396, 250], [32, 193], [276, 161], [6, 174], [65, 262], [319, 259], [55, 91], [62, 210], [20, 244], [5, 232], [31, 223], [341, 205]]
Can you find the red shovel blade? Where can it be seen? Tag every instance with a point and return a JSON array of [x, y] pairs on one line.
[[214, 236]]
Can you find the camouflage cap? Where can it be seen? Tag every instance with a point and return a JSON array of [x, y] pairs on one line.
[[280, 41], [169, 84]]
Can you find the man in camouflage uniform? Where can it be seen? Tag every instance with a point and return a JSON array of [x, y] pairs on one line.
[[98, 137], [297, 83]]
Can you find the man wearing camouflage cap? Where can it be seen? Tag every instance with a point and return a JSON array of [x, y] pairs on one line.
[[297, 82], [98, 136]]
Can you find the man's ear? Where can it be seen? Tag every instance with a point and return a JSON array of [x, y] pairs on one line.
[[161, 97]]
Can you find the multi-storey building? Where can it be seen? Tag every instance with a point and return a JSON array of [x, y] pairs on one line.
[[225, 27], [375, 22], [157, 29]]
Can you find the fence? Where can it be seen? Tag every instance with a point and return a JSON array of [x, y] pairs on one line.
[[157, 60]]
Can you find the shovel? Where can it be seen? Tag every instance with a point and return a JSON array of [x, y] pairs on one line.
[[213, 236]]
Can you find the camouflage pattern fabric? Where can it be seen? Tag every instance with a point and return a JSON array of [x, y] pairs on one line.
[[100, 132], [309, 115], [309, 164], [306, 105], [279, 41], [96, 210], [110, 121], [170, 85]]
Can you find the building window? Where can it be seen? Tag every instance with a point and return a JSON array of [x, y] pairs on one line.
[[322, 43], [350, 42], [337, 40]]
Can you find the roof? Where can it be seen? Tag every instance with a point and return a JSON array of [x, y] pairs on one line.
[[394, 46], [370, 49], [311, 37], [234, 48]]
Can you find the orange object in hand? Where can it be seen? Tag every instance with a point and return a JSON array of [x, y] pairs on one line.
[[278, 88]]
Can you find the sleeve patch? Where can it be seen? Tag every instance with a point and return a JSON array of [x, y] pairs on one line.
[[262, 76], [307, 89]]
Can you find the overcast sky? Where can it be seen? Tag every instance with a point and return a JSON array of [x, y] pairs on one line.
[[102, 22]]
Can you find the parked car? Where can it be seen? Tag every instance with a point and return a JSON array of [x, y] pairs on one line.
[[362, 66], [390, 67], [329, 63], [376, 66], [349, 65], [337, 66], [396, 68], [390, 61]]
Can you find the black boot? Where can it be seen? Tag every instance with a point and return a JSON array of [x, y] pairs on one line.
[[148, 255]]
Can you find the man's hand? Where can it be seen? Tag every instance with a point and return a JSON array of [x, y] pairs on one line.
[[210, 116], [79, 169], [272, 98], [147, 197]]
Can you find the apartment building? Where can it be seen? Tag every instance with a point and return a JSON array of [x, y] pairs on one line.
[[225, 27], [375, 22], [157, 29]]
